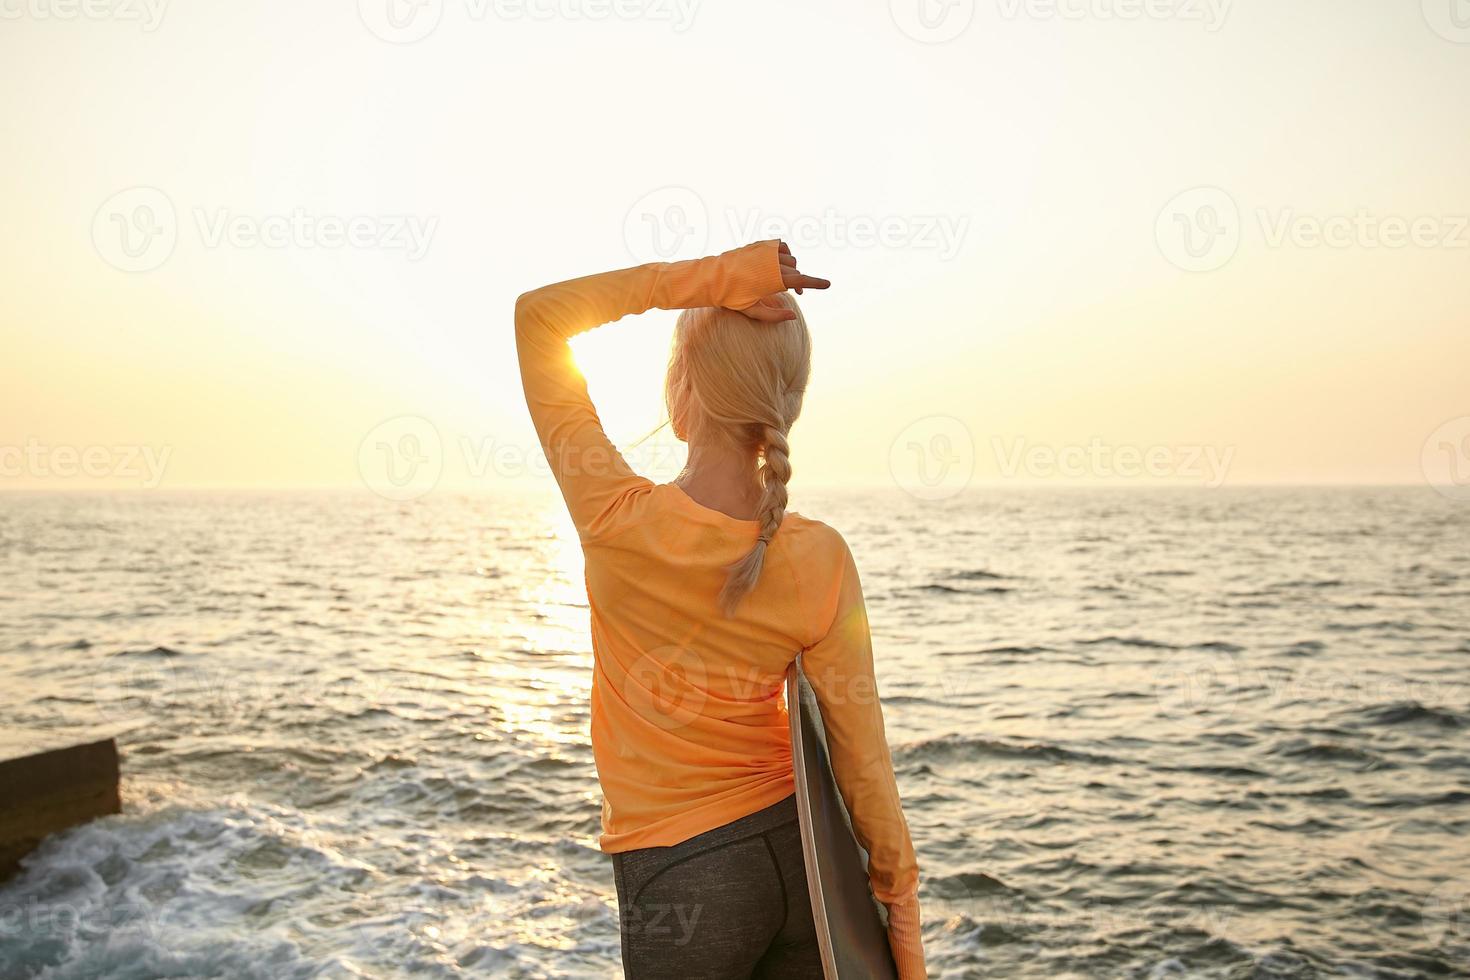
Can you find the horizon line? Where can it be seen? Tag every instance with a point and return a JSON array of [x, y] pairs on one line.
[[1120, 484]]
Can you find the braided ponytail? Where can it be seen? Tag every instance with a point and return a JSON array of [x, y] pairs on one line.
[[775, 473], [734, 379]]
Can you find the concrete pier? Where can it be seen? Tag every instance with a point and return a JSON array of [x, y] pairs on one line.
[[46, 785]]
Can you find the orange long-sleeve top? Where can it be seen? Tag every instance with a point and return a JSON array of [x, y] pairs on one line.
[[689, 721]]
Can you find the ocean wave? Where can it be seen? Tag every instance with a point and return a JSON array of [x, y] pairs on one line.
[[155, 653], [1413, 713], [1298, 748], [967, 885], [150, 884], [1232, 772], [943, 589], [979, 574], [973, 747], [987, 651], [1381, 625], [1141, 642]]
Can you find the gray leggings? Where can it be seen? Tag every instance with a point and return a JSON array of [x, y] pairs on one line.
[[729, 903]]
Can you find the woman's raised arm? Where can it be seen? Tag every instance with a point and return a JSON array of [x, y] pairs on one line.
[[592, 474]]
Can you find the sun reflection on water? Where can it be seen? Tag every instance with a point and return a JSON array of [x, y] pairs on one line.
[[539, 680]]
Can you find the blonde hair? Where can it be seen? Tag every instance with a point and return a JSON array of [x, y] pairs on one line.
[[742, 381]]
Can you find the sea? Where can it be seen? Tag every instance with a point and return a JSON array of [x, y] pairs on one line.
[[1139, 732]]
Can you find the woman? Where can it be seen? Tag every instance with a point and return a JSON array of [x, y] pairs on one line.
[[702, 592]]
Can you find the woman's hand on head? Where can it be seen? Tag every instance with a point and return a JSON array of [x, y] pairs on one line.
[[769, 309], [793, 278]]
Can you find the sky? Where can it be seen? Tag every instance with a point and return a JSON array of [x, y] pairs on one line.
[[1193, 242]]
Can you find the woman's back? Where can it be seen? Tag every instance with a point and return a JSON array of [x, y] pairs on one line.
[[696, 614], [689, 727]]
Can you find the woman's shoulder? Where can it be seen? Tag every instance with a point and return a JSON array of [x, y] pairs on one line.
[[812, 537]]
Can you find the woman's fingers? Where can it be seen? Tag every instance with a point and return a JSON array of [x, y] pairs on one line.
[[792, 279], [767, 309]]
